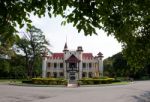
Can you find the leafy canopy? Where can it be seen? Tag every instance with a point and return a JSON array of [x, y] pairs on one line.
[[127, 20], [32, 44]]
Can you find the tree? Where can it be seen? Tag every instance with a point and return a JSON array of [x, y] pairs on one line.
[[32, 44], [6, 43], [15, 13], [117, 66], [14, 68], [120, 65], [37, 71], [17, 67], [108, 70], [127, 20], [4, 68]]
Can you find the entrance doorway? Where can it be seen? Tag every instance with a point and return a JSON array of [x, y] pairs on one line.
[[72, 68], [72, 76]]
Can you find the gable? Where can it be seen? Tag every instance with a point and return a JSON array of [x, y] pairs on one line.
[[73, 59]]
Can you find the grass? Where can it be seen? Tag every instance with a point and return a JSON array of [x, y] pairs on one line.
[[120, 83], [10, 80]]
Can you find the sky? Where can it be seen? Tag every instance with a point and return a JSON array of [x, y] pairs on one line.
[[57, 35]]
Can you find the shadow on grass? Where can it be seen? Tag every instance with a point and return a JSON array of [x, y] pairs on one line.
[[143, 98]]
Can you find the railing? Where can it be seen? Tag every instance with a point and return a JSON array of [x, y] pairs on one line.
[[72, 69], [51, 69]]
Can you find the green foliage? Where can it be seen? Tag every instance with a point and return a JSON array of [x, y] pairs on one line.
[[37, 70], [127, 20], [117, 66], [137, 52], [17, 67], [145, 78], [17, 12], [4, 68], [6, 42], [27, 81], [94, 81], [32, 45], [49, 81], [12, 68]]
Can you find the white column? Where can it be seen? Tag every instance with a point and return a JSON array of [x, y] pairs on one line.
[[65, 76], [87, 69], [78, 74], [57, 69], [80, 70], [101, 67], [80, 65], [44, 59]]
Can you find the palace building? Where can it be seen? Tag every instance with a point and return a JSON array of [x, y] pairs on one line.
[[72, 65]]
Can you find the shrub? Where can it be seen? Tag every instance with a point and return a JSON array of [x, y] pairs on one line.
[[145, 78], [27, 81], [49, 81], [94, 81]]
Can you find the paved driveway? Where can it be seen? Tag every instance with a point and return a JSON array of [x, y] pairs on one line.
[[136, 92]]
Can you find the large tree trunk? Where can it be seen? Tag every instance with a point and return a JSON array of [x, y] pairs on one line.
[[31, 67], [27, 66]]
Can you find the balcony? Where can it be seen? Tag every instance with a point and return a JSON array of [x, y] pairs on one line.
[[72, 70]]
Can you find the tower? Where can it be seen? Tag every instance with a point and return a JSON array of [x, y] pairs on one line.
[[44, 60], [65, 48], [80, 50], [100, 63], [66, 55]]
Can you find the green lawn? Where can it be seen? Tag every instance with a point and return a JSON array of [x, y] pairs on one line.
[[10, 80], [120, 83]]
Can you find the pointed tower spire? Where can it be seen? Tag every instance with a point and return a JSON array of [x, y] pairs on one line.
[[65, 47]]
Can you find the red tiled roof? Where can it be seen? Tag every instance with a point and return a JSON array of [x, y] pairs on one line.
[[57, 55], [61, 56], [87, 56]]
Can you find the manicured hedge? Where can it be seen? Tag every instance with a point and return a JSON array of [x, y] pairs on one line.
[[49, 81], [94, 81], [27, 81]]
